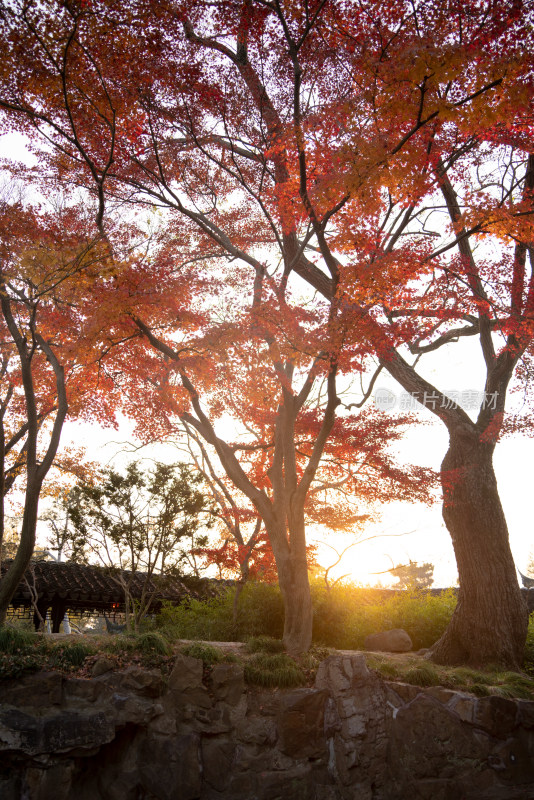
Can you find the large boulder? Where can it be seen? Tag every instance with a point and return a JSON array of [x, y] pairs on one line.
[[393, 641]]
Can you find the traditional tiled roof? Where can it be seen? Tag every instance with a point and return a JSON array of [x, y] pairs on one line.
[[89, 587]]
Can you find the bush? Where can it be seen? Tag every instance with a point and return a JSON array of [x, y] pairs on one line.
[[346, 614], [13, 665], [331, 613], [210, 620], [260, 612], [342, 617], [422, 615]]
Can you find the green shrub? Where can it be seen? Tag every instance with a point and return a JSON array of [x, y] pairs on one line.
[[422, 615], [13, 665], [343, 616], [260, 612], [331, 613], [273, 669], [346, 614], [210, 620]]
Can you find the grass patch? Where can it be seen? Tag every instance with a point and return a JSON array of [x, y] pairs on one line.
[[122, 643], [206, 653], [386, 668], [480, 689], [468, 676], [264, 644], [481, 683], [15, 640], [66, 656], [153, 642], [422, 675], [271, 670], [20, 652]]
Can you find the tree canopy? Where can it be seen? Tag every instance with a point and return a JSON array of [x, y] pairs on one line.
[[354, 182]]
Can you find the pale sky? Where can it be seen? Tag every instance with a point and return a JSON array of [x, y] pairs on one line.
[[427, 538]]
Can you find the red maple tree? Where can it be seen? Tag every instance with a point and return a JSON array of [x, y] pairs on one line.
[[333, 136]]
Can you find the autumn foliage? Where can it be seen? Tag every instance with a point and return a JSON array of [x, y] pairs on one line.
[[341, 188]]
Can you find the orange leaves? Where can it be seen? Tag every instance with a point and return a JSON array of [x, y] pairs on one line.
[[269, 145]]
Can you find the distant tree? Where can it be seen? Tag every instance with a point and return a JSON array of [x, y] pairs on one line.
[[136, 523], [63, 540], [413, 575]]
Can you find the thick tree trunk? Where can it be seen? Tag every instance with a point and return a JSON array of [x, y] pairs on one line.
[[490, 622], [298, 613], [292, 566]]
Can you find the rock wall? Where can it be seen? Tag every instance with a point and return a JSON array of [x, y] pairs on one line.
[[131, 735]]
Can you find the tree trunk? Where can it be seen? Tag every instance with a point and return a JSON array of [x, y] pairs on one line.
[[490, 621], [298, 613], [15, 573], [292, 566]]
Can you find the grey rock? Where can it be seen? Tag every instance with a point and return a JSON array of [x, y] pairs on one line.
[[526, 713], [228, 682], [497, 715], [186, 674], [54, 733], [53, 783], [301, 724], [10, 787], [427, 738], [394, 641], [337, 674], [292, 784], [257, 730], [217, 758], [145, 682], [167, 766], [102, 665], [131, 709], [37, 690], [123, 736]]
